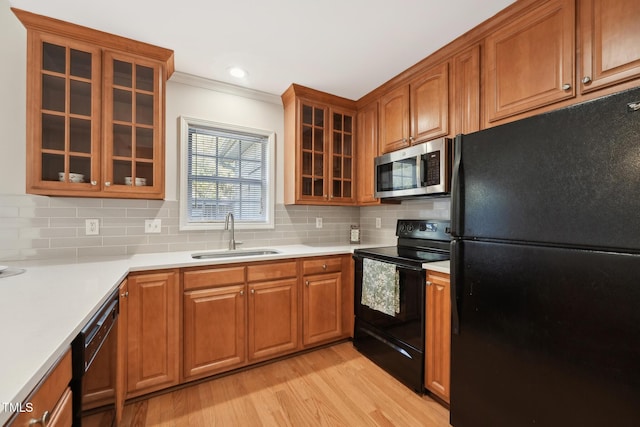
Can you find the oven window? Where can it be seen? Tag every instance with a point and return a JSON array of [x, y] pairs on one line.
[[398, 175]]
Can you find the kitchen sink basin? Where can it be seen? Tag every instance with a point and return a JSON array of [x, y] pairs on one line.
[[233, 254]]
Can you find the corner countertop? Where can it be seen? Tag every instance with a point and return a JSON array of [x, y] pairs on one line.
[[43, 309], [440, 266]]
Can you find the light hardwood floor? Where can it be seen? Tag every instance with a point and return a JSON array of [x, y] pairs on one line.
[[333, 386]]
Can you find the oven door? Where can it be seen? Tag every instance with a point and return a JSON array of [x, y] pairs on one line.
[[393, 340]]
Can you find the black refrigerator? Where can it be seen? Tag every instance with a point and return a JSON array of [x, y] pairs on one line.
[[545, 267]]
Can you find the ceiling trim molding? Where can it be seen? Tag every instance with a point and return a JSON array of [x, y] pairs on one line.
[[204, 83]]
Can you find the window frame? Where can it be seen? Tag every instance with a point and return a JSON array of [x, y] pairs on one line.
[[185, 224]]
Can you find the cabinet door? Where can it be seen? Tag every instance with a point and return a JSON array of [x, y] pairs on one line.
[[121, 359], [530, 61], [367, 150], [322, 308], [438, 335], [214, 330], [133, 126], [313, 145], [610, 36], [466, 91], [430, 104], [273, 318], [394, 120], [341, 168], [153, 332], [63, 119]]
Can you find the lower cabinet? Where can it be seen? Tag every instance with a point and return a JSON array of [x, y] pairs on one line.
[[153, 332], [50, 402], [438, 335], [322, 300]]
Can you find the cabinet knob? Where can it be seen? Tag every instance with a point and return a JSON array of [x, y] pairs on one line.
[[586, 80], [242, 292], [124, 294], [429, 283], [44, 420], [411, 139], [253, 291], [324, 266], [94, 183], [306, 283], [107, 184], [404, 139], [566, 86]]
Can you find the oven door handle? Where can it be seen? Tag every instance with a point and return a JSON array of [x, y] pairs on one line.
[[396, 263]]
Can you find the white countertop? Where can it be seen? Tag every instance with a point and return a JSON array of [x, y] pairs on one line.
[[441, 266], [43, 309]]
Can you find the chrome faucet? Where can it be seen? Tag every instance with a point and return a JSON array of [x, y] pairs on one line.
[[232, 235]]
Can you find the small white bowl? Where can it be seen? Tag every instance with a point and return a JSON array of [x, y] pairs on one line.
[[73, 177], [139, 181]]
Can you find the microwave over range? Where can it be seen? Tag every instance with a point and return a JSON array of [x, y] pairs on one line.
[[420, 170]]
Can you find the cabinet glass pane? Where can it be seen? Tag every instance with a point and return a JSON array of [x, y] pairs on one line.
[[307, 138], [318, 167], [337, 167], [52, 132], [52, 164], [348, 124], [80, 135], [347, 168], [80, 98], [121, 169], [337, 189], [122, 73], [145, 171], [307, 163], [80, 64], [144, 78], [53, 93], [81, 165], [144, 143], [144, 109], [306, 186], [318, 140], [337, 143], [337, 121], [347, 145], [346, 189], [307, 115], [318, 116], [318, 187], [122, 105], [54, 58], [122, 141]]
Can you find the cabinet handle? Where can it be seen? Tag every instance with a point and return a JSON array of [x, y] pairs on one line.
[[242, 292], [566, 86], [44, 420], [107, 184], [411, 139], [124, 294], [324, 266], [253, 291], [307, 283], [586, 80], [429, 283], [94, 183]]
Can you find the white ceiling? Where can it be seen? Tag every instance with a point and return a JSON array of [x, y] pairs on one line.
[[343, 47]]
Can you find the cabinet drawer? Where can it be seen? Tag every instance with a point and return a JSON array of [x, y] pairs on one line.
[[278, 270], [322, 265], [213, 277], [52, 395]]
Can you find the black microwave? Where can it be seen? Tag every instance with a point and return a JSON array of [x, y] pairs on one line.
[[420, 170]]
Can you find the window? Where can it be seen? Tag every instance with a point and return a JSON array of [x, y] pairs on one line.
[[224, 169]]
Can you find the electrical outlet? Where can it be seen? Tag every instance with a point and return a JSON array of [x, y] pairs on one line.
[[152, 225], [318, 222], [92, 227], [378, 222]]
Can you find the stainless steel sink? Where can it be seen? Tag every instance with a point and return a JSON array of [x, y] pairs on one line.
[[233, 254]]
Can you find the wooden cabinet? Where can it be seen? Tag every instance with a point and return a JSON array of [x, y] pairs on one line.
[[609, 51], [95, 120], [272, 309], [438, 335], [214, 321], [153, 332], [322, 300], [367, 150], [121, 352], [529, 62], [319, 148], [50, 403], [416, 112], [466, 91]]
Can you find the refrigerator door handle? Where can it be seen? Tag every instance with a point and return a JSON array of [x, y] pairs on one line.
[[456, 220], [454, 260]]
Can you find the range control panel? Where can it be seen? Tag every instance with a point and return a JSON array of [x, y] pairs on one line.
[[434, 229]]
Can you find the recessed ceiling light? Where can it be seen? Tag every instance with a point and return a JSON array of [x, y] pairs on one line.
[[237, 72]]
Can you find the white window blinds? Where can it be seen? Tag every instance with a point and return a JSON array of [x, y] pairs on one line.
[[226, 172]]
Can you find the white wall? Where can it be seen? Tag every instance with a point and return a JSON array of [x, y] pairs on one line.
[[13, 76]]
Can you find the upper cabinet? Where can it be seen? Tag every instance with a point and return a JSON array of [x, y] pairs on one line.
[[465, 90], [529, 62], [95, 120], [367, 149], [319, 148], [610, 43], [416, 112]]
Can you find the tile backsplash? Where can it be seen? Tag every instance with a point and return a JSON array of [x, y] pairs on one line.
[[38, 227]]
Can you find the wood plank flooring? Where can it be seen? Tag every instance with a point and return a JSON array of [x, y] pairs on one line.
[[333, 386]]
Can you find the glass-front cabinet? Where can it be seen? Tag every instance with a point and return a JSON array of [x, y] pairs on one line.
[[95, 115]]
